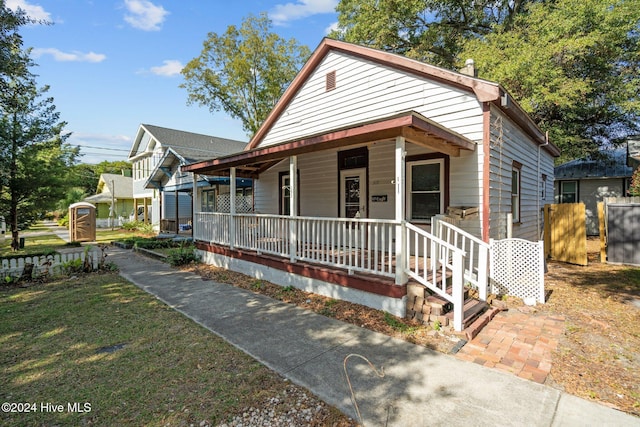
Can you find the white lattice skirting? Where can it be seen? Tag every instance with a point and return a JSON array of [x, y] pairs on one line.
[[517, 268]]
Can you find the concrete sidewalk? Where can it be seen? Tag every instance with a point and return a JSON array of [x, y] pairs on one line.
[[420, 387]]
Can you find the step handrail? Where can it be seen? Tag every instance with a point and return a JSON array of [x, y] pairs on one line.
[[476, 270], [439, 260]]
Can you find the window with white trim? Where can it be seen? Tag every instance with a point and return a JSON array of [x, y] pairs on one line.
[[425, 188]]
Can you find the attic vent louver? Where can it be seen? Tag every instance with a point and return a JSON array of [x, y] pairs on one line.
[[331, 81]]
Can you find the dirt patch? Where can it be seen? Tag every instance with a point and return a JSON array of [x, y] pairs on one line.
[[598, 356]]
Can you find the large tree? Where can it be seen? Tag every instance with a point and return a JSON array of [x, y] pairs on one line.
[[244, 71], [574, 66], [34, 154], [428, 30]]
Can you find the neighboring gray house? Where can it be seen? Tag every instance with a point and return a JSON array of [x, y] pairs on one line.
[[590, 180], [157, 154]]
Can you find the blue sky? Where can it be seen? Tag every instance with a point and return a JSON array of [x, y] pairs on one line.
[[114, 64]]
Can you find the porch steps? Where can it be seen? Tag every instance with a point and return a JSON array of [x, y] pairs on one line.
[[431, 308]]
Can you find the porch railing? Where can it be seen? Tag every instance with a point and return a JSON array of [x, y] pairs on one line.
[[357, 245], [438, 266], [212, 227], [363, 245], [476, 265]]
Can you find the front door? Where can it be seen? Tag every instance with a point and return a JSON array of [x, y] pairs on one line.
[[353, 193]]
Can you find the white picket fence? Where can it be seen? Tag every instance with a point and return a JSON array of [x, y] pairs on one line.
[[45, 265]]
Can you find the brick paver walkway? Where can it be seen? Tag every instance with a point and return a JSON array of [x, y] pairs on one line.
[[517, 342]]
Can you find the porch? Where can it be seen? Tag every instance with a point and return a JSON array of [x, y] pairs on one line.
[[369, 260]]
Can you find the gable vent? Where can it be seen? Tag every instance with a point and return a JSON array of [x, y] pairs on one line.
[[331, 81]]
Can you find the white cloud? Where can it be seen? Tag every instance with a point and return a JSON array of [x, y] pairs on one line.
[[74, 56], [332, 27], [33, 11], [283, 13], [170, 68], [144, 15]]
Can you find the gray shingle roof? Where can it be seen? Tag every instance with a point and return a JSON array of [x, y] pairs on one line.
[[194, 146], [612, 165], [123, 185]]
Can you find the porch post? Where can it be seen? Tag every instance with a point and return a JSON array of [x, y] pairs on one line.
[[195, 201], [400, 196], [293, 206], [177, 196], [232, 208]]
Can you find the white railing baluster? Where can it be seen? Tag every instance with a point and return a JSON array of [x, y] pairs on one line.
[[357, 244], [477, 264]]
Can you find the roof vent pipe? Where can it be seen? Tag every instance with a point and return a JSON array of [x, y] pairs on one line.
[[505, 101], [469, 68]]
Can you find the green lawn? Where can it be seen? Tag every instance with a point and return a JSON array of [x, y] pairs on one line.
[[100, 341]]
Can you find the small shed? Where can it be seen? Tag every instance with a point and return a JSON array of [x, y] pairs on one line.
[[623, 231], [82, 222]]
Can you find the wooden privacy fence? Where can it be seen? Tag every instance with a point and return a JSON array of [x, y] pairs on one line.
[[16, 268], [565, 232]]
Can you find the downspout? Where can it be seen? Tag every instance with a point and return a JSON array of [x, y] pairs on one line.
[[546, 142]]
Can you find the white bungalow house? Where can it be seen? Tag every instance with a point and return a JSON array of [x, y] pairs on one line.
[[361, 152], [162, 194]]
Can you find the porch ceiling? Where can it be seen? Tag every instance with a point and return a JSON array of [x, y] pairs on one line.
[[414, 127]]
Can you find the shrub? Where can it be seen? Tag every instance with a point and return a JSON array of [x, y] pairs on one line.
[[73, 266], [153, 243], [131, 225], [145, 228], [183, 255], [64, 221]]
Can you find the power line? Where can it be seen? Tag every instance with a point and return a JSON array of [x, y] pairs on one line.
[[100, 148]]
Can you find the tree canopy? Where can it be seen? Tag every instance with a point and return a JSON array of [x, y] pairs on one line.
[[34, 155], [433, 31], [244, 71], [574, 66], [571, 64]]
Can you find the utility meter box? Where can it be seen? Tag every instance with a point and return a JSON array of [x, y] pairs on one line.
[[82, 222]]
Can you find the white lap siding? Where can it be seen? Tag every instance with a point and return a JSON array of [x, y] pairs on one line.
[[509, 143], [367, 91], [318, 185], [319, 178]]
